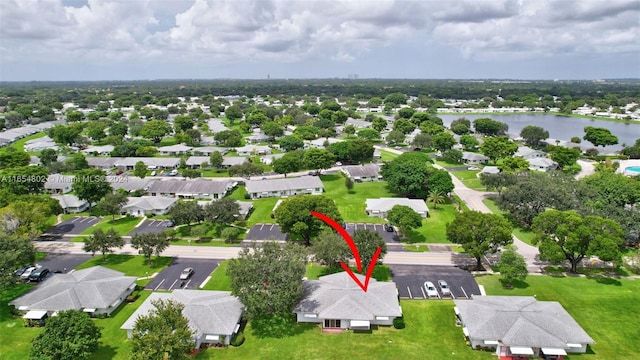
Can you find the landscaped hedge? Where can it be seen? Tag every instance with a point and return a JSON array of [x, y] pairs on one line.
[[238, 339], [398, 323]]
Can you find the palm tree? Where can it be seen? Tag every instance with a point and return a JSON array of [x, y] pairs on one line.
[[436, 198]]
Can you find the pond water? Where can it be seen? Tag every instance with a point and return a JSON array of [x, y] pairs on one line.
[[560, 127]]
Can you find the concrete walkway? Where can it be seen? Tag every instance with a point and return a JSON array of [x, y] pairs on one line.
[[587, 169]]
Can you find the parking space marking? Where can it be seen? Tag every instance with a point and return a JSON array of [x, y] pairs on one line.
[[271, 228], [409, 290], [172, 285], [156, 288], [187, 284], [423, 293], [261, 226]]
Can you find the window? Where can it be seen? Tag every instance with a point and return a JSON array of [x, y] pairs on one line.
[[311, 315], [382, 318], [331, 323]]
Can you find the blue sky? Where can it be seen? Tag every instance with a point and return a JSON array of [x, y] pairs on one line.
[[170, 39]]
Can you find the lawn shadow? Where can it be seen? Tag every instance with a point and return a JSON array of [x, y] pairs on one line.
[[279, 327], [605, 280], [112, 259], [414, 237], [105, 352], [515, 284]]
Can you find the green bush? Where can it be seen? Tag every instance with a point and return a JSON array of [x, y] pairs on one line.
[[247, 196], [238, 339], [398, 323]]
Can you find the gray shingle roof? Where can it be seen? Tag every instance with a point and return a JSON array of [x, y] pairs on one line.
[[337, 296], [233, 160], [149, 161], [386, 204], [369, 170], [208, 312], [195, 186], [129, 183], [69, 201], [520, 321], [197, 160], [304, 182], [150, 202], [92, 288], [58, 181], [103, 162], [473, 156]]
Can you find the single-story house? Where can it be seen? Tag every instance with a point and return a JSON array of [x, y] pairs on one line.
[[95, 290], [528, 153], [214, 316], [336, 302], [206, 140], [149, 205], [40, 144], [520, 326], [490, 170], [249, 150], [380, 207], [34, 161], [173, 150], [542, 164], [320, 143], [152, 163], [129, 183], [474, 158], [59, 184], [228, 161], [358, 124], [245, 208], [216, 125], [71, 204], [192, 188], [104, 150], [361, 173], [258, 138], [284, 187], [268, 159], [103, 163], [208, 150], [195, 162]]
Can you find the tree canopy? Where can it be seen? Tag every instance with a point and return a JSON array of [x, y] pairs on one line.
[[103, 242], [599, 136], [498, 147], [532, 135], [331, 249], [70, 335], [405, 218], [91, 185], [368, 242], [294, 215]]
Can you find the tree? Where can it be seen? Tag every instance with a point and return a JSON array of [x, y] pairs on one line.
[[216, 159], [439, 181], [91, 185], [564, 156], [436, 198], [78, 162], [422, 141], [318, 159], [532, 135], [490, 127], [155, 130], [23, 180], [14, 252], [74, 116], [182, 123], [599, 136], [512, 266], [140, 169], [95, 130], [192, 173], [331, 249], [497, 182], [514, 165], [404, 126], [349, 130], [268, 278], [287, 164], [443, 141], [272, 128], [407, 175], [47, 156], [395, 99], [103, 242], [431, 128], [348, 183], [149, 244], [379, 124], [233, 113], [163, 333], [461, 126], [479, 233], [469, 142], [290, 143], [452, 156], [230, 234], [12, 158], [395, 137], [229, 138], [70, 335], [368, 134], [193, 136], [294, 215], [633, 152], [406, 113], [614, 189], [498, 148], [246, 169], [118, 129], [405, 218], [112, 204], [566, 235], [222, 212], [368, 242]]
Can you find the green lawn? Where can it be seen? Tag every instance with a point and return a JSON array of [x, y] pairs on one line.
[[314, 271], [606, 308], [351, 204], [430, 333], [15, 338], [469, 178], [261, 213], [219, 279], [20, 143], [238, 193], [521, 233], [214, 173], [417, 248], [387, 155], [130, 265], [433, 228], [123, 225]]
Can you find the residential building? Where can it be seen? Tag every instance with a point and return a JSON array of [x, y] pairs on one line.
[[380, 207], [192, 188], [542, 164], [268, 159], [474, 158], [320, 143], [228, 161], [361, 173], [208, 150], [284, 187], [129, 183], [358, 124], [104, 150], [40, 144], [250, 150], [174, 150], [337, 303], [195, 162], [214, 316], [149, 205], [59, 184], [258, 137], [71, 204], [490, 170], [520, 326], [103, 163], [152, 163], [96, 290], [528, 153]]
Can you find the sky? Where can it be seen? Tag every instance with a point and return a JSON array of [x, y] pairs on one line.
[[57, 40]]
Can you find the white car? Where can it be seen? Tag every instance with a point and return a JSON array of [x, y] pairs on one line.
[[444, 288], [186, 273], [27, 273], [431, 289]]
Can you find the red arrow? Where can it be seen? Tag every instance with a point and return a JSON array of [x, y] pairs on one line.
[[354, 250]]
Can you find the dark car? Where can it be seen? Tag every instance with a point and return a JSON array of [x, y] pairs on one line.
[[39, 274], [388, 227]]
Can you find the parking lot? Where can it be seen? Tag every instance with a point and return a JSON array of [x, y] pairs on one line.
[[169, 278], [63, 263], [410, 280], [151, 226], [75, 225], [389, 237], [266, 232]]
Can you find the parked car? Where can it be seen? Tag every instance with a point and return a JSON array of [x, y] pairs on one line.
[[153, 173], [431, 289], [39, 274], [174, 172], [473, 168], [21, 271], [388, 227], [444, 288], [170, 223], [186, 273], [27, 272], [119, 172]]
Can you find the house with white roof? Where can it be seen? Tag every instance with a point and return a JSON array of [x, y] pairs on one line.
[[103, 163], [542, 164], [152, 163], [103, 150], [228, 161], [361, 173], [174, 150], [191, 188], [474, 158], [71, 204], [59, 184], [358, 124], [213, 316], [528, 153], [320, 143], [336, 302], [196, 162], [250, 150], [284, 187], [40, 144], [149, 205], [268, 159], [380, 207], [208, 150], [520, 326]]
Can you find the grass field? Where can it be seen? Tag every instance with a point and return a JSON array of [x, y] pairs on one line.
[[387, 155], [219, 279], [19, 144], [262, 208], [130, 265], [351, 204], [523, 234], [15, 338], [433, 228], [314, 271], [469, 178], [606, 308], [123, 225]]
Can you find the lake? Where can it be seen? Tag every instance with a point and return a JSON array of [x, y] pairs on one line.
[[560, 127]]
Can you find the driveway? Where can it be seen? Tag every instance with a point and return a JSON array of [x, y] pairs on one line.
[[266, 232], [151, 226], [169, 278], [75, 225], [389, 237], [410, 280], [63, 263]]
